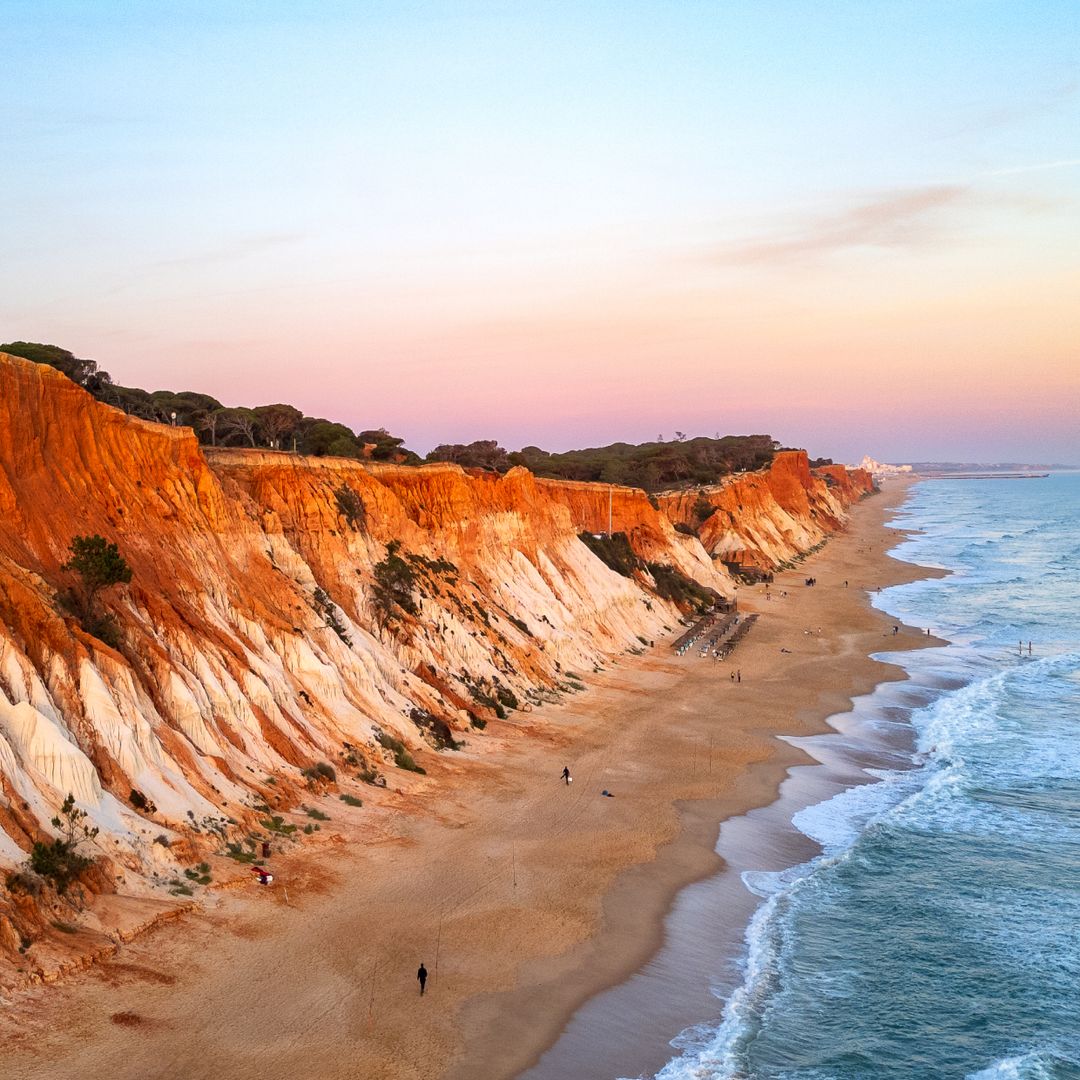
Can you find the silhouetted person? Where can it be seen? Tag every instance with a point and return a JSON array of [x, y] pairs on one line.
[[738, 675], [421, 977], [566, 774]]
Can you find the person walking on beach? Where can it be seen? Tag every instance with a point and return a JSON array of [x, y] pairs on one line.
[[421, 977], [738, 675], [566, 775], [733, 676]]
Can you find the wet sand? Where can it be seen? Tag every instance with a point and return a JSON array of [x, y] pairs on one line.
[[524, 897]]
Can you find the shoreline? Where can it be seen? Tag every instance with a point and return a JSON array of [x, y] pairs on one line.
[[637, 1013], [523, 897]]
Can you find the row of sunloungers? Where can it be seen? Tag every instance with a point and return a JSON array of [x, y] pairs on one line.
[[726, 634]]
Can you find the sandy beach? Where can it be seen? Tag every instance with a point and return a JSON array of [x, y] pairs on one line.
[[523, 896]]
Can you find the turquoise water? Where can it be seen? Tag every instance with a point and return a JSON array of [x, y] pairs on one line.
[[938, 935]]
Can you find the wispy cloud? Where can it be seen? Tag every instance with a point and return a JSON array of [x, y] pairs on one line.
[[893, 219], [240, 248], [1068, 163]]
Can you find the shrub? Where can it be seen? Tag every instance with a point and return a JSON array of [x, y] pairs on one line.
[[98, 563], [395, 580], [322, 770], [506, 697], [60, 861], [350, 800], [613, 551], [350, 506], [318, 815], [278, 825], [438, 730], [672, 584], [57, 862], [402, 758], [703, 509], [199, 874], [237, 852]]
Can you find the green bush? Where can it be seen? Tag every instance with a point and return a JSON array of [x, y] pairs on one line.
[[350, 506], [237, 852], [703, 509], [437, 729], [278, 825], [395, 580], [60, 861], [672, 584], [350, 800], [402, 758], [613, 551]]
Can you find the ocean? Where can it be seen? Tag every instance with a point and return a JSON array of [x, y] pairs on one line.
[[938, 932]]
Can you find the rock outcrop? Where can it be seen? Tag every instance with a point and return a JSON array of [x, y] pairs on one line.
[[259, 635], [764, 519]]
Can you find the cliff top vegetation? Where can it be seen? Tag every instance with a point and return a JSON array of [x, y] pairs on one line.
[[278, 426], [654, 466]]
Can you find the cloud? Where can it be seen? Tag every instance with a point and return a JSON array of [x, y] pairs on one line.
[[1068, 163], [894, 219], [240, 248]]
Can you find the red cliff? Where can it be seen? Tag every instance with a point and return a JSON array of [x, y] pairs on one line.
[[252, 641]]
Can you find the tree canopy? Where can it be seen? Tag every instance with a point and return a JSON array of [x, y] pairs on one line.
[[655, 466], [279, 426]]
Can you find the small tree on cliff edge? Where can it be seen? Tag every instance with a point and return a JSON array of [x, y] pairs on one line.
[[99, 565], [60, 860]]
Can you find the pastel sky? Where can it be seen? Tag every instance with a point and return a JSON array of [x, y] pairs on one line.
[[852, 225]]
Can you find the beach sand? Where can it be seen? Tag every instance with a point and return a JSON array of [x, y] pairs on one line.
[[523, 896]]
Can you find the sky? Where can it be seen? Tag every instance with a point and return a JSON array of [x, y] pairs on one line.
[[854, 226]]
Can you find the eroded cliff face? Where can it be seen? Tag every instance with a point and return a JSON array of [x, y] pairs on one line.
[[764, 519], [252, 645]]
